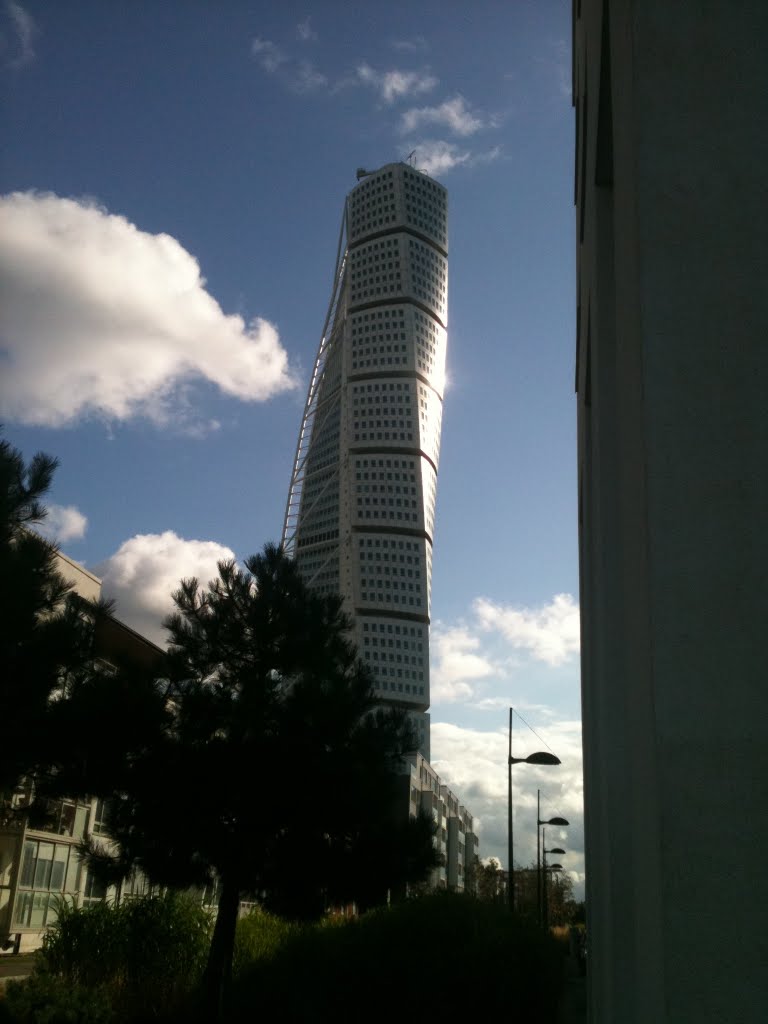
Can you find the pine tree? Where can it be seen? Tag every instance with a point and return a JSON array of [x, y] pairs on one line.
[[46, 632], [273, 773]]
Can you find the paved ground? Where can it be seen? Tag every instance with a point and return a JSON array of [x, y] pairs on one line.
[[573, 1006], [16, 966]]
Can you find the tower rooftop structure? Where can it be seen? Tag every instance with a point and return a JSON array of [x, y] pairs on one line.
[[361, 507]]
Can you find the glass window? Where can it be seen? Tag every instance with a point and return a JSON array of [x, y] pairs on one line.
[[99, 816], [73, 866], [43, 866], [38, 909], [81, 818], [67, 819], [95, 889], [59, 868], [28, 866], [23, 908]]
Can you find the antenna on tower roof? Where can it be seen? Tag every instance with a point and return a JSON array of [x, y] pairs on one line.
[[410, 157]]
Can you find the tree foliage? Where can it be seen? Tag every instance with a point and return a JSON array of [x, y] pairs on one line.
[[490, 881], [251, 753], [46, 640], [272, 772]]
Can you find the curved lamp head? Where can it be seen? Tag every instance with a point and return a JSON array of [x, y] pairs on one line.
[[554, 867], [540, 757], [555, 849], [555, 821]]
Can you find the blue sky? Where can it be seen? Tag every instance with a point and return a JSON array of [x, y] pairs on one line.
[[172, 182]]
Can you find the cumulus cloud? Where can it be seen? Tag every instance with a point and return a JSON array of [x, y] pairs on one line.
[[268, 54], [436, 156], [24, 31], [99, 317], [63, 523], [493, 643], [299, 75], [306, 77], [395, 84], [457, 662], [453, 114], [305, 31], [474, 764], [145, 570], [549, 633], [412, 44]]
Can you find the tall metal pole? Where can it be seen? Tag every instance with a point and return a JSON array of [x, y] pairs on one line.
[[538, 855], [544, 907], [510, 863]]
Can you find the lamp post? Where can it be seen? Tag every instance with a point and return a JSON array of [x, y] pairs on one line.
[[539, 823], [540, 757], [552, 867]]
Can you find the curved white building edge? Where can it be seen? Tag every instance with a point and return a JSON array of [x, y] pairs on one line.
[[361, 506]]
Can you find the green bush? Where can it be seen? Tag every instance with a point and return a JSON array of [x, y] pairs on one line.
[[259, 938], [442, 954], [145, 956], [43, 999]]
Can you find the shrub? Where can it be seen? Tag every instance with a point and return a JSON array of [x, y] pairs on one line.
[[259, 938], [43, 999], [444, 954], [146, 955]]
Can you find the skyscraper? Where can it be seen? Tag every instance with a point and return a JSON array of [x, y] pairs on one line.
[[360, 513]]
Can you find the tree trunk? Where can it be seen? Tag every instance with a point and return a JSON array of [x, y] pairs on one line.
[[218, 972]]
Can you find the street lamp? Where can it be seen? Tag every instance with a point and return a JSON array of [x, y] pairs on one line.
[[539, 823], [551, 867], [540, 757]]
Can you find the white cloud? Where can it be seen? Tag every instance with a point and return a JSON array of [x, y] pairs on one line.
[[268, 54], [474, 764], [99, 317], [306, 77], [492, 646], [299, 75], [145, 570], [456, 664], [395, 84], [556, 64], [494, 703], [453, 114], [25, 30], [63, 523], [305, 31], [435, 156], [549, 633], [414, 44]]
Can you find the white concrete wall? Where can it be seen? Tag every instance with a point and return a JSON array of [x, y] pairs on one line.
[[673, 439], [85, 583]]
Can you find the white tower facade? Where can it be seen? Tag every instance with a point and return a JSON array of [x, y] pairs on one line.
[[361, 506]]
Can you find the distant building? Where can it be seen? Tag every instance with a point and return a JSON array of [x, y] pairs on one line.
[[455, 838], [672, 377], [40, 866], [360, 513], [361, 507]]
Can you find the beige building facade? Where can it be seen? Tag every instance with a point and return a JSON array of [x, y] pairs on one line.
[[39, 862], [455, 838]]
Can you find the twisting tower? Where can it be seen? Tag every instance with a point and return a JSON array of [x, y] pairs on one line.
[[360, 513]]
